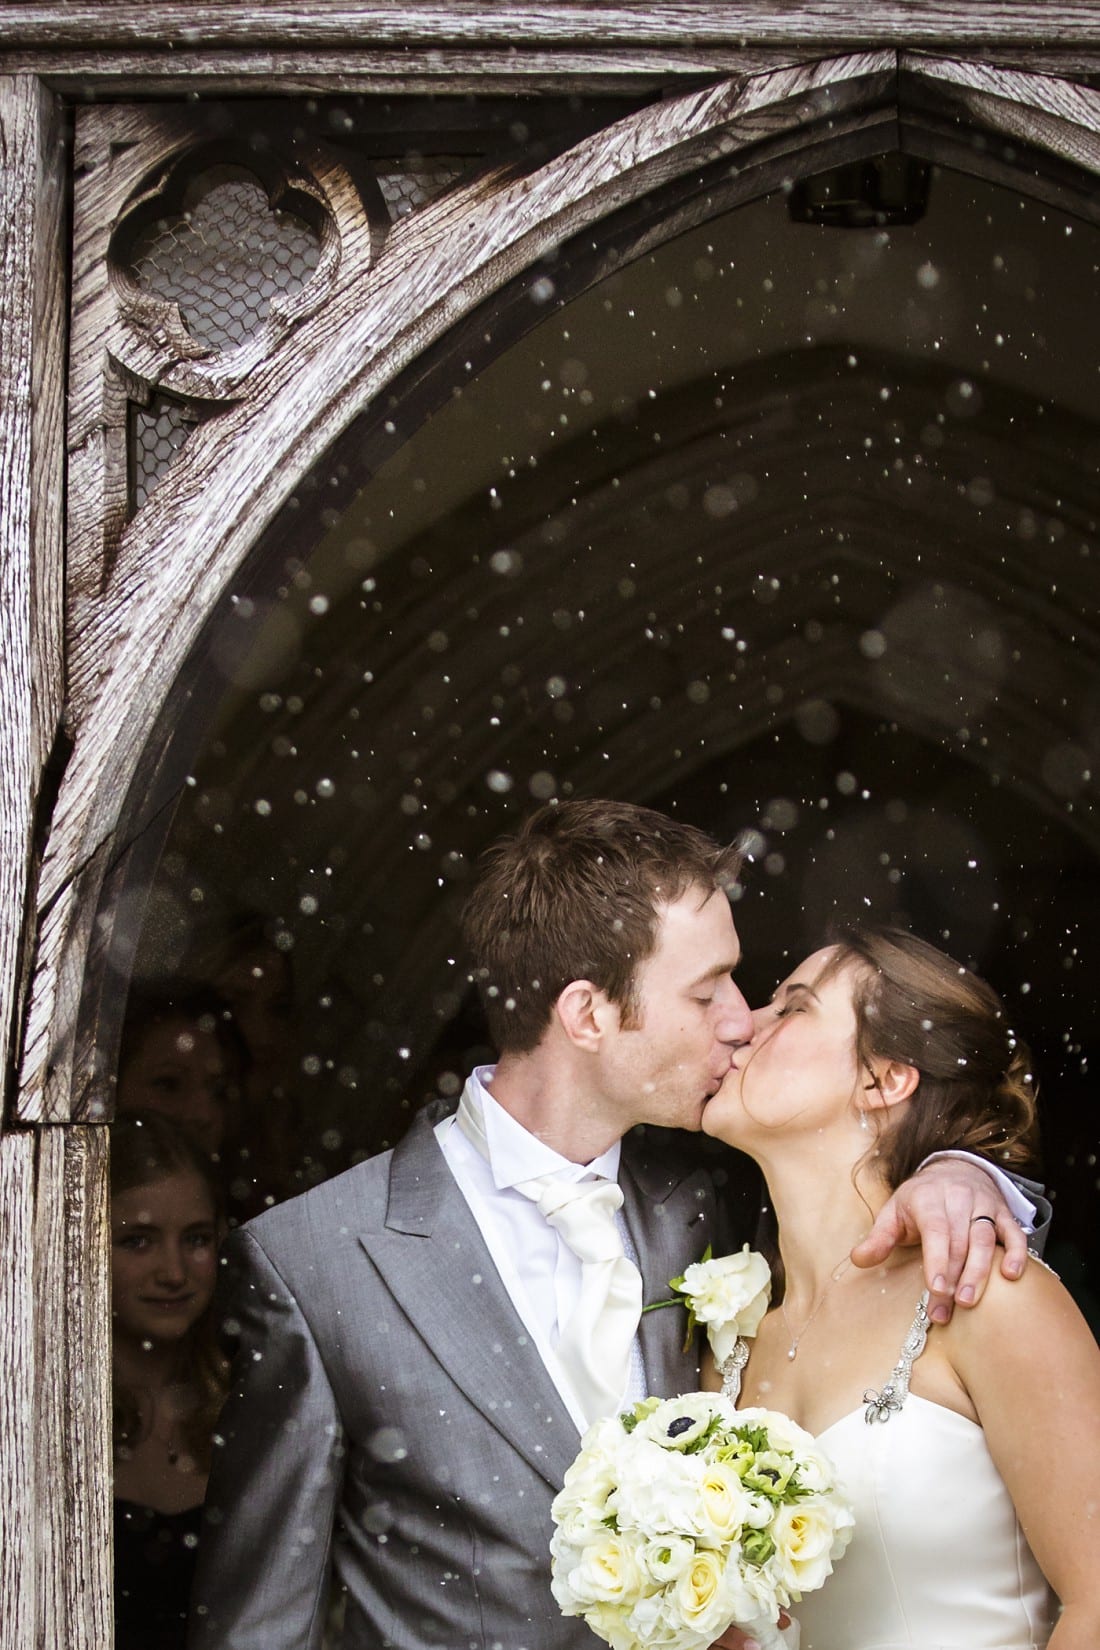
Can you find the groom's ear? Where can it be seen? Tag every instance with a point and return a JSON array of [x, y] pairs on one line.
[[582, 1013], [894, 1082]]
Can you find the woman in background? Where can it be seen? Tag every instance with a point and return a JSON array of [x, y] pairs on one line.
[[183, 1057], [169, 1377]]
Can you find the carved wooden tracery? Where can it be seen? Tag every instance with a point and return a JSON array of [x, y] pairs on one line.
[[376, 297]]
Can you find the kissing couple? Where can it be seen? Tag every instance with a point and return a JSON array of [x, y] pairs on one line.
[[423, 1340]]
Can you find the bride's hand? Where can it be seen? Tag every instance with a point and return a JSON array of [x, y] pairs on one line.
[[955, 1211], [734, 1639]]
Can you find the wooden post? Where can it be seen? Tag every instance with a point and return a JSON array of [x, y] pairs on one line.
[[17, 1429], [54, 1351], [32, 381], [73, 1396]]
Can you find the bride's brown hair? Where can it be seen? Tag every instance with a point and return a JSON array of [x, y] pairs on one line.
[[916, 1005]]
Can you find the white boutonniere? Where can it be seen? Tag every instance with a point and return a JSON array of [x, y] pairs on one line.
[[728, 1295]]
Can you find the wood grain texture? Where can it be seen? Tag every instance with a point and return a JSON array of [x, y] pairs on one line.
[[983, 88], [32, 366], [91, 74], [817, 23], [124, 342], [17, 1393], [51, 1081], [73, 1398], [409, 71], [1048, 116]]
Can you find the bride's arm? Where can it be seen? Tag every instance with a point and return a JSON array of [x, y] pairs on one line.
[[1032, 1368]]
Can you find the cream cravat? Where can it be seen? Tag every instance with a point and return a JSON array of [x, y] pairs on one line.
[[594, 1344]]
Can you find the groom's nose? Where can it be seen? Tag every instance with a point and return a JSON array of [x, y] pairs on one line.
[[735, 1024]]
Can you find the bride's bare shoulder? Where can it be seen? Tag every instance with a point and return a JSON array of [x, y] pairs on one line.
[[1016, 1312]]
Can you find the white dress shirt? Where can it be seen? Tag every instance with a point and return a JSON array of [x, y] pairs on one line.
[[1020, 1206], [540, 1272]]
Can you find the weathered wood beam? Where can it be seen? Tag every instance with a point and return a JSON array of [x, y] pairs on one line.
[[17, 1418], [72, 1341], [55, 1399], [32, 368], [827, 24], [1055, 123], [91, 74]]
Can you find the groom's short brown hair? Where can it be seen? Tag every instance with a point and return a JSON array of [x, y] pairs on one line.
[[575, 895]]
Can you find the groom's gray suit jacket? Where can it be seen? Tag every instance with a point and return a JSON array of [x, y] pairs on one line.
[[391, 1417]]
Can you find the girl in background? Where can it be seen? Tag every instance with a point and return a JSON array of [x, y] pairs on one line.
[[169, 1376]]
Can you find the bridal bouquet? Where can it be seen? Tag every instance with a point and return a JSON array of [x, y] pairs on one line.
[[684, 1516]]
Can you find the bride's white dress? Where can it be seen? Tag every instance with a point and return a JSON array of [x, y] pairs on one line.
[[938, 1560]]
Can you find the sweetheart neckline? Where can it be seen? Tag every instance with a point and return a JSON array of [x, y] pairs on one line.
[[912, 1397]]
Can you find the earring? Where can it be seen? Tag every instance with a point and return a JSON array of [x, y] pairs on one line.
[[863, 1123]]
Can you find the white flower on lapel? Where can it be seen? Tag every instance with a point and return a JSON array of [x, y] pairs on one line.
[[728, 1294]]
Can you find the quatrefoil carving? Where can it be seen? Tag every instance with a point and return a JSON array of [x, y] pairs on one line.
[[215, 260]]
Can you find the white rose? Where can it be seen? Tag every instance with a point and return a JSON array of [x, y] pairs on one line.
[[702, 1597], [758, 1510], [654, 1622], [608, 1571], [580, 1506], [603, 1440], [730, 1295], [612, 1623], [565, 1556], [723, 1504], [752, 1598], [816, 1471], [808, 1536], [783, 1433]]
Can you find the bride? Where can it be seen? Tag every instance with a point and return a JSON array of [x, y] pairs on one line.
[[970, 1451]]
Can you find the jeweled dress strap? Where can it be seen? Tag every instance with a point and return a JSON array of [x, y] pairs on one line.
[[731, 1370], [888, 1401]]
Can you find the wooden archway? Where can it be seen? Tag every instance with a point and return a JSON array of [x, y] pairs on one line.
[[785, 91]]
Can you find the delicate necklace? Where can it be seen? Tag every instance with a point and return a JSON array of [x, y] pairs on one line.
[[834, 1277], [165, 1428]]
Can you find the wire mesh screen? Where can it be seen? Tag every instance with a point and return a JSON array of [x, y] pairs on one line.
[[157, 432], [225, 259], [222, 261], [406, 187]]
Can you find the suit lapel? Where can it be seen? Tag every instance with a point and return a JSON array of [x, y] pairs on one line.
[[433, 1259], [671, 1215]]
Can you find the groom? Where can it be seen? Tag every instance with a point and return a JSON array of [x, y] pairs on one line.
[[423, 1339]]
